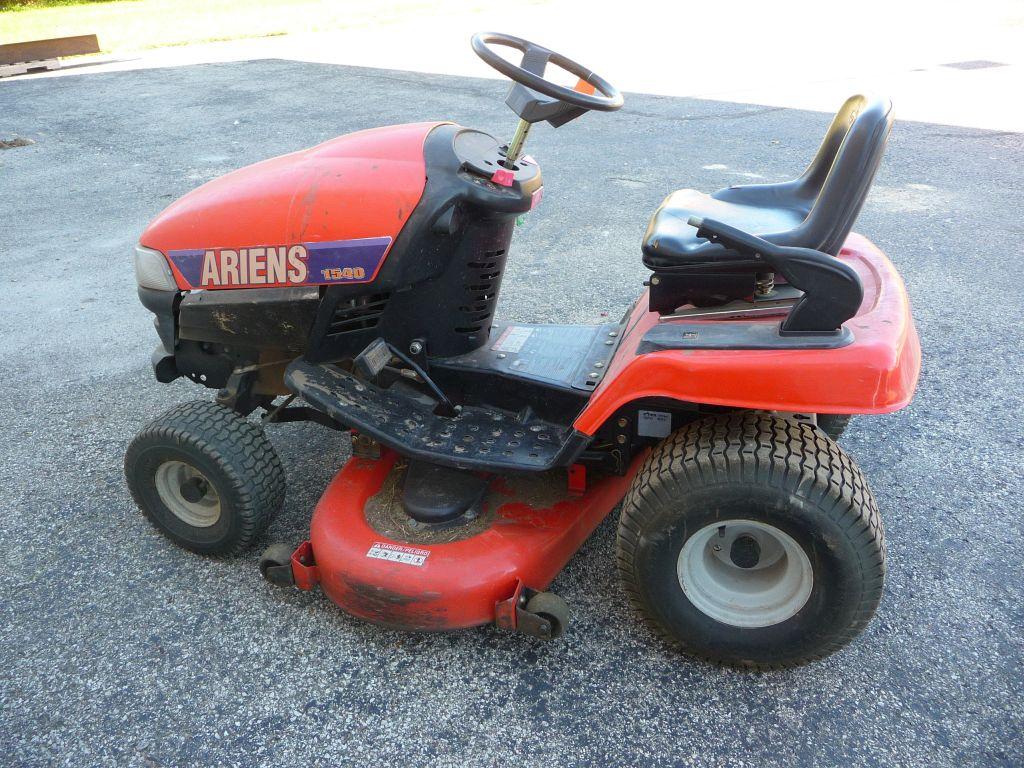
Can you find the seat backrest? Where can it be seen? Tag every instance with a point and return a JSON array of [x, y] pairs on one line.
[[831, 192], [839, 177]]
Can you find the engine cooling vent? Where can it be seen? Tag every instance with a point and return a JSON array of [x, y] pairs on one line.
[[358, 314], [482, 279]]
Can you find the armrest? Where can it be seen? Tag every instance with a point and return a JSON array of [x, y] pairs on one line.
[[832, 290]]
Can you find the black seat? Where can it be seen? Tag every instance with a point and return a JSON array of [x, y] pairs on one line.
[[816, 210]]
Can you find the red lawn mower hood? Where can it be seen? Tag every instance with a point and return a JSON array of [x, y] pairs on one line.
[[272, 223]]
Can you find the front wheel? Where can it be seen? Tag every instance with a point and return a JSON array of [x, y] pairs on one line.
[[205, 477], [751, 540]]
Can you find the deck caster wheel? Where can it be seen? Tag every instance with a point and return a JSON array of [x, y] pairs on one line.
[[205, 477], [276, 565], [752, 541], [553, 613]]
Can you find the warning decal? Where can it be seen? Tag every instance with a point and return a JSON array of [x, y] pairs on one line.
[[653, 423], [512, 339], [396, 553]]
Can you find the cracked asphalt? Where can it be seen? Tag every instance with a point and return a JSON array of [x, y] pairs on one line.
[[117, 648]]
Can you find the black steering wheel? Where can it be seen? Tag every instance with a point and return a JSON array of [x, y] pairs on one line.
[[604, 97]]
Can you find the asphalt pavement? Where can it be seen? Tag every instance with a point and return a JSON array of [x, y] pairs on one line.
[[118, 648]]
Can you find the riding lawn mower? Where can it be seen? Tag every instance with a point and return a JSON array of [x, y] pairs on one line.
[[354, 285]]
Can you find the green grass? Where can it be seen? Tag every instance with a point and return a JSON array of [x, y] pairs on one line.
[[6, 5], [127, 25]]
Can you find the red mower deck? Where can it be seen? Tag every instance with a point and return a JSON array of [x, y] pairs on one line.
[[528, 529]]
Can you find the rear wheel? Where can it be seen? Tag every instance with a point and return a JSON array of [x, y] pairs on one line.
[[752, 540], [205, 477]]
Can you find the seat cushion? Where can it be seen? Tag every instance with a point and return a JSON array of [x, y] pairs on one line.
[[671, 242]]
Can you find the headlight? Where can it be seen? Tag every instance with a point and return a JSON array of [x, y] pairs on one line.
[[152, 270]]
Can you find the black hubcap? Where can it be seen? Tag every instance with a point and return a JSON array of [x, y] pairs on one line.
[[745, 552], [194, 489]]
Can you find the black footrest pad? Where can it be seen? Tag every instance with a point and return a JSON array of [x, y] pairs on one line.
[[475, 439]]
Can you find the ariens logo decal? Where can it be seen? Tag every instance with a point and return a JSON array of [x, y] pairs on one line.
[[325, 263], [254, 266]]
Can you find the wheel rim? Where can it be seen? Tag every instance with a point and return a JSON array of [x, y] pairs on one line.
[[188, 494], [745, 573]]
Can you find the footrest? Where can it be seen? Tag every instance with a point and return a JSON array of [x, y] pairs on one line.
[[474, 439]]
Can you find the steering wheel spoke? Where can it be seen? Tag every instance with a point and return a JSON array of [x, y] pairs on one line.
[[535, 59]]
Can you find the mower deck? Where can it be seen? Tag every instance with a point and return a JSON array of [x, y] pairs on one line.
[[379, 565]]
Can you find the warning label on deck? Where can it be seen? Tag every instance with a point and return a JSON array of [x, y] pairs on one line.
[[396, 553]]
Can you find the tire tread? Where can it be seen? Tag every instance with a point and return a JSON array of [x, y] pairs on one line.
[[787, 454], [241, 450]]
